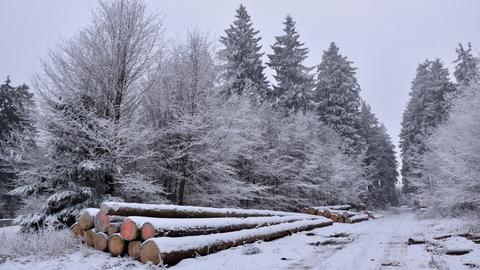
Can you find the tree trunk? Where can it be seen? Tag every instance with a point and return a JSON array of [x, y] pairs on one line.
[[176, 211], [102, 221], [86, 220], [89, 236], [101, 241], [116, 245], [158, 227], [134, 249], [169, 251], [113, 228]]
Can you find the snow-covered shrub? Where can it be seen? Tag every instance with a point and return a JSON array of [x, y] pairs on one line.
[[451, 175], [42, 244]]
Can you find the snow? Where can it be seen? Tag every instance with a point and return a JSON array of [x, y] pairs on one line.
[[187, 223], [374, 244]]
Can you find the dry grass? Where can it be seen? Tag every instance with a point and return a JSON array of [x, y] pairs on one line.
[[49, 243]]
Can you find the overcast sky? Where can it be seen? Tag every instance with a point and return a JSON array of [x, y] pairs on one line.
[[385, 39]]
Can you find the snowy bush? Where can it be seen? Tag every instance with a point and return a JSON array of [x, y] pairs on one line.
[[42, 244], [450, 168]]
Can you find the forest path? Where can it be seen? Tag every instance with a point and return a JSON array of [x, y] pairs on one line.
[[381, 244]]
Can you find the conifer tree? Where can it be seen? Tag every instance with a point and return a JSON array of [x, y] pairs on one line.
[[428, 107], [243, 64], [17, 128], [467, 66], [379, 160], [294, 83], [337, 97]]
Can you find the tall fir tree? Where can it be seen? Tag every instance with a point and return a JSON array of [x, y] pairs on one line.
[[337, 97], [428, 107], [379, 160], [467, 66], [244, 70], [17, 130], [294, 82]]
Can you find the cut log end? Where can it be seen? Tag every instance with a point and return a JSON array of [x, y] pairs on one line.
[[147, 231], [76, 230], [101, 241], [86, 221], [149, 252], [113, 228], [116, 244], [129, 230], [134, 249], [102, 221], [89, 236]]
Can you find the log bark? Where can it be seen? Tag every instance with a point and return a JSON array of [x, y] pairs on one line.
[[89, 236], [87, 217], [113, 228], [169, 250], [116, 245], [102, 220], [158, 227], [101, 241], [327, 213], [76, 230], [178, 211], [134, 249]]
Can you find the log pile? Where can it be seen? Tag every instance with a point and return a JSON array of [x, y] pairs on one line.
[[340, 213], [166, 234]]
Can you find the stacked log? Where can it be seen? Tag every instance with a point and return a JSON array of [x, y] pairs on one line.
[[123, 229], [169, 251], [340, 213]]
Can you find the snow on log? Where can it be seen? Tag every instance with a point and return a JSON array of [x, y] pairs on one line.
[[333, 207], [101, 241], [76, 230], [171, 250], [89, 236], [102, 220], [345, 213], [156, 227], [134, 249], [113, 228], [357, 218], [116, 244], [87, 216], [180, 211]]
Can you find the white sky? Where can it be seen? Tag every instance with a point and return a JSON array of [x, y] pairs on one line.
[[385, 38]]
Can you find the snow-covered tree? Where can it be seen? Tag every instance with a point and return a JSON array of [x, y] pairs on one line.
[[293, 90], [90, 86], [17, 132], [429, 105], [243, 68], [450, 176], [337, 98], [379, 160], [467, 66]]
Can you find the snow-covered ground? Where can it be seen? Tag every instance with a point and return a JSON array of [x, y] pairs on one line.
[[375, 244]]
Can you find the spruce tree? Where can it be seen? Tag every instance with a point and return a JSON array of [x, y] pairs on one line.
[[337, 97], [467, 66], [379, 160], [428, 107], [17, 130], [243, 68], [294, 83]]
